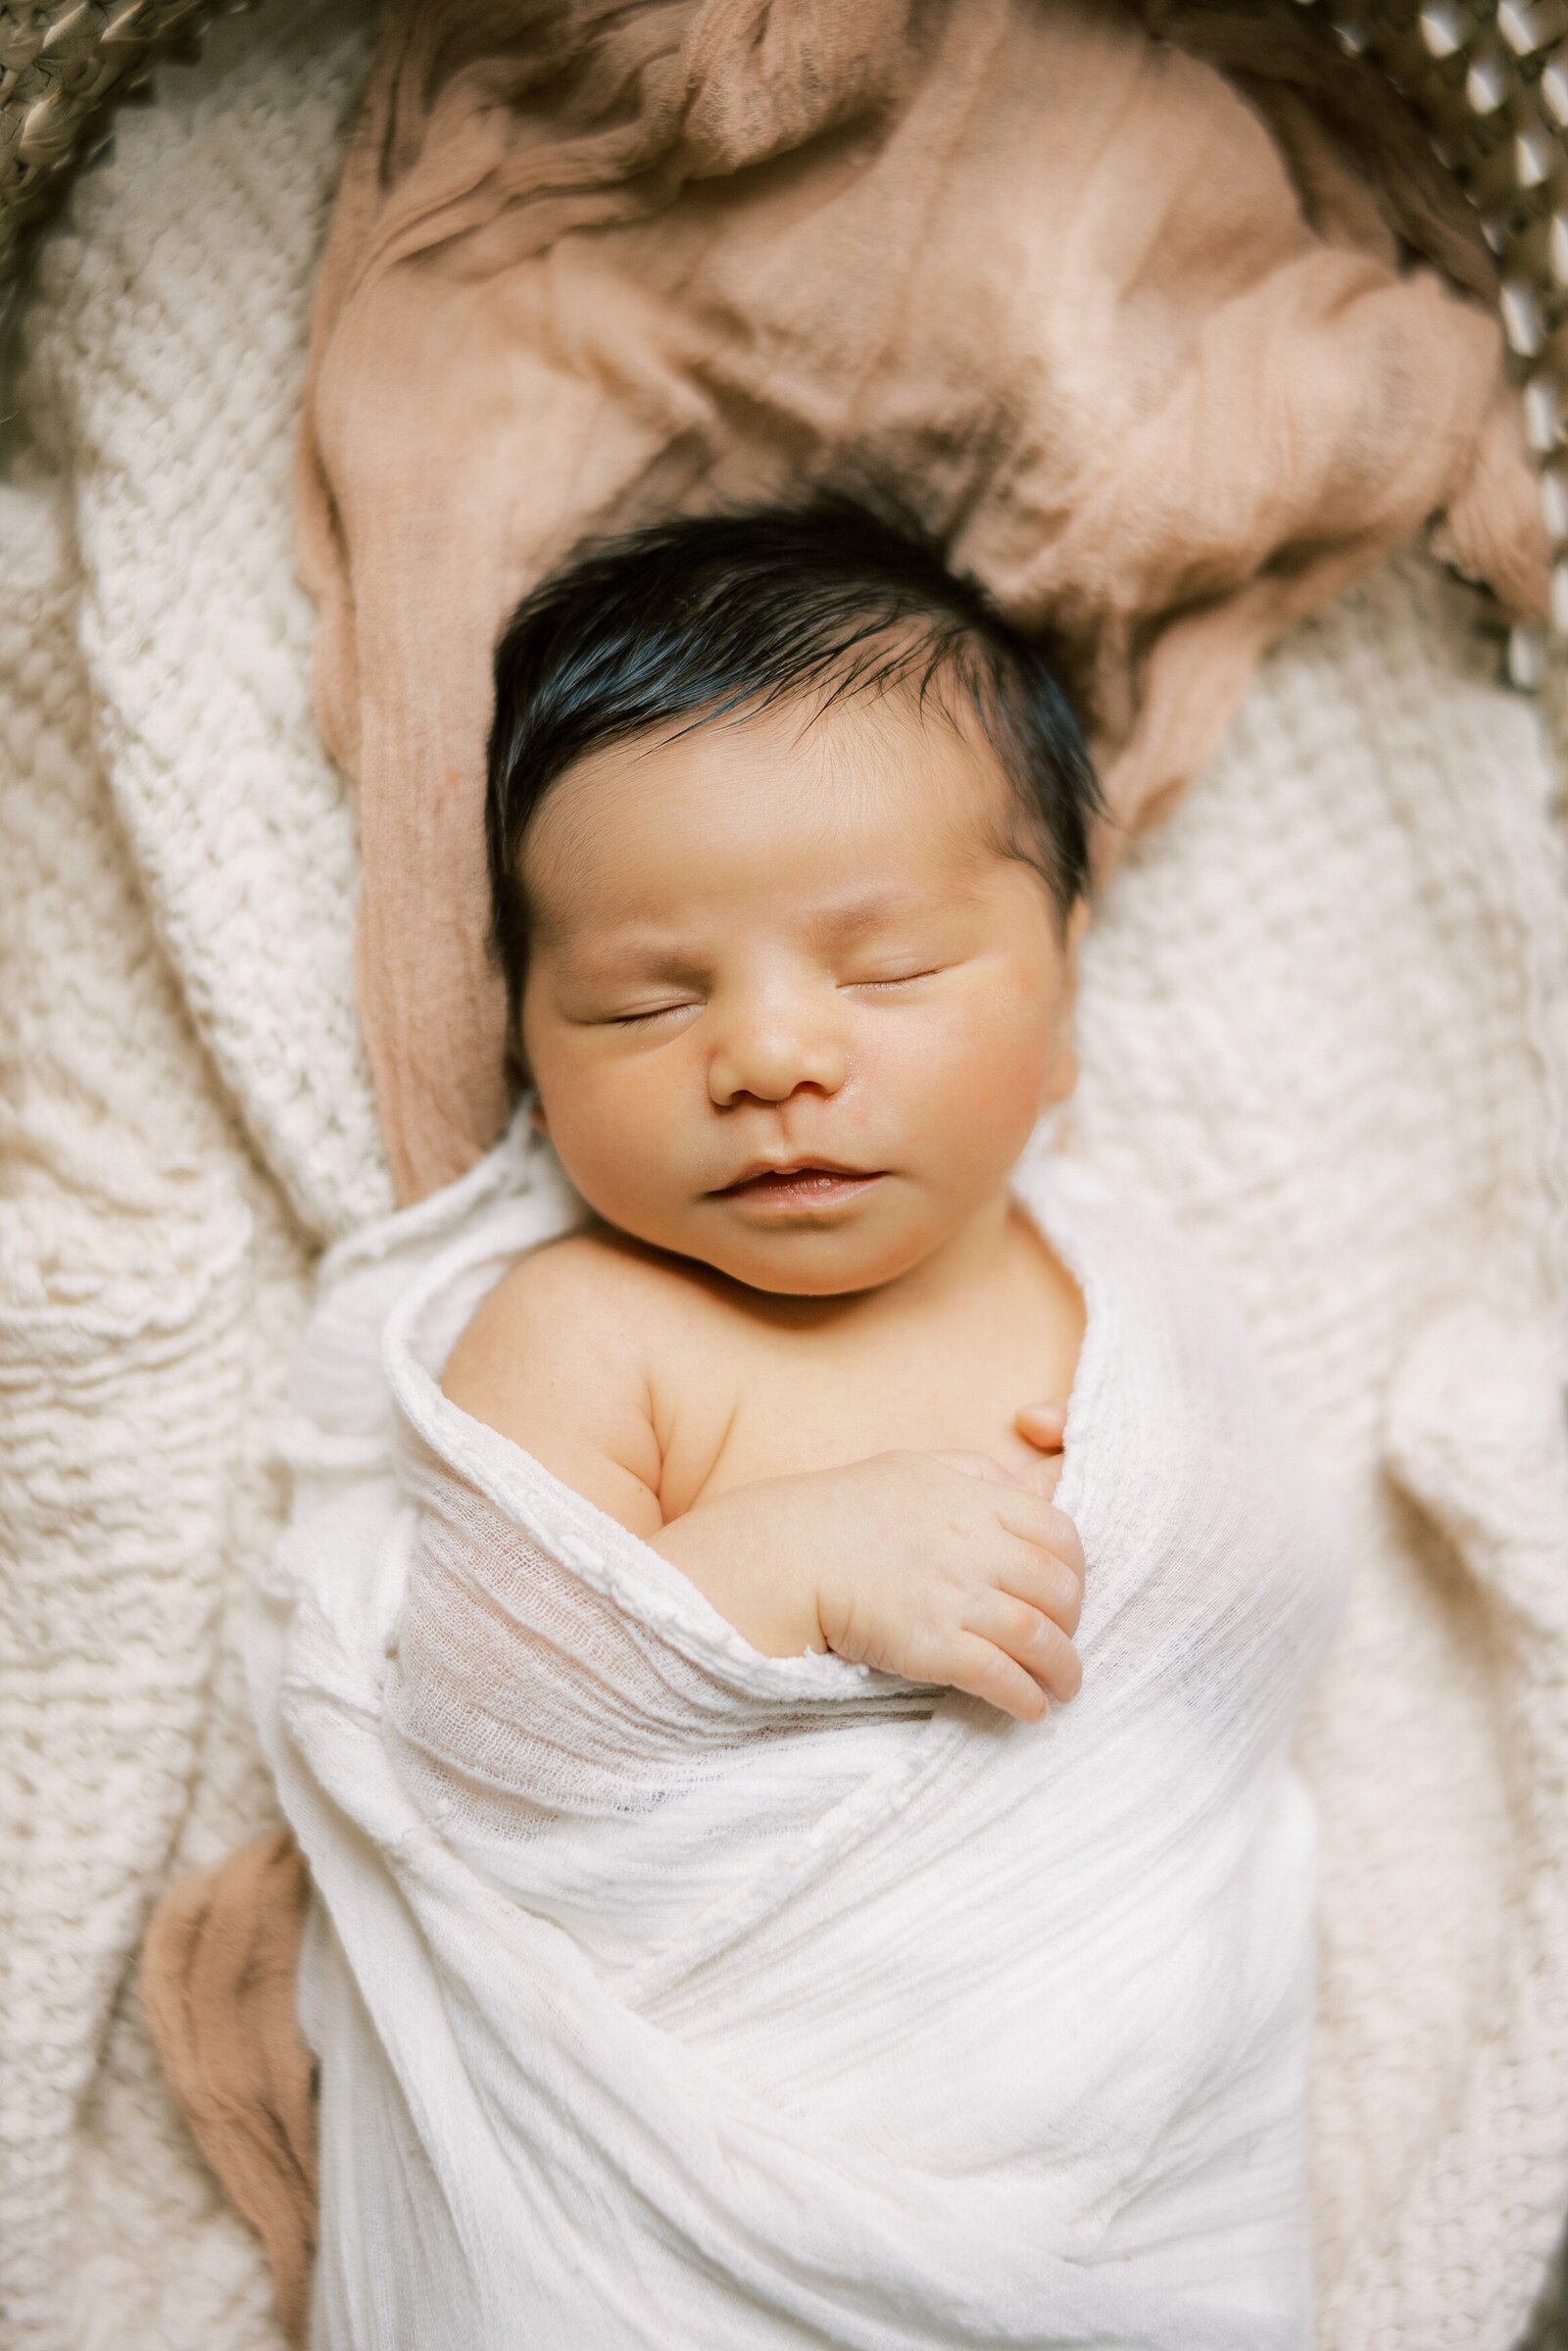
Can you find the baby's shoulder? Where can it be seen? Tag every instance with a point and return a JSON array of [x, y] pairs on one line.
[[588, 1298], [562, 1355]]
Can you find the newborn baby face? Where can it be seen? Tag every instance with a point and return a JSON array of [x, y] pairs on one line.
[[794, 939]]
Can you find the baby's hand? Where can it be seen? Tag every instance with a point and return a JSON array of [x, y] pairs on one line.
[[942, 1567], [946, 1567]]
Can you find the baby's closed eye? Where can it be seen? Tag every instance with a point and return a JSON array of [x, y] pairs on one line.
[[897, 979], [624, 1020]]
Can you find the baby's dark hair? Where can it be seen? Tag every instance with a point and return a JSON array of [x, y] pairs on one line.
[[699, 618]]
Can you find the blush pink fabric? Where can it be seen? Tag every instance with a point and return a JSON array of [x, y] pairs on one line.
[[1156, 366]]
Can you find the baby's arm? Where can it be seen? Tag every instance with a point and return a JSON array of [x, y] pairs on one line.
[[941, 1567]]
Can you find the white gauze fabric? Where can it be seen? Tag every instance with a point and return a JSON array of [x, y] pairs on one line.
[[669, 1993]]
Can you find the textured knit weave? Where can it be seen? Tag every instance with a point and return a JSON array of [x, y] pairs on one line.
[[164, 796], [1323, 1018], [676, 1994], [149, 1282]]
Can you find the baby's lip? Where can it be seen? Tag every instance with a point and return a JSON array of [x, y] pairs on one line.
[[813, 1165]]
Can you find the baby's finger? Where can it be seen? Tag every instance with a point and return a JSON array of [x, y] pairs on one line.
[[1041, 1477], [1033, 1477], [974, 1465], [1043, 1425], [1039, 1522], [1039, 1646], [978, 1666], [1048, 1584]]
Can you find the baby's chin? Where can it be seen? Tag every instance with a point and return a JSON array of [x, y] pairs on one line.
[[804, 1281], [816, 1261]]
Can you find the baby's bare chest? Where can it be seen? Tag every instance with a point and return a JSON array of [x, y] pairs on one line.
[[774, 1404]]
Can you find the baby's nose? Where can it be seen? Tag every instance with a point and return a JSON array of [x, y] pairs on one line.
[[772, 1054]]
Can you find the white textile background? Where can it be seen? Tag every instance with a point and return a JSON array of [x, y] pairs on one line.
[[1324, 1019]]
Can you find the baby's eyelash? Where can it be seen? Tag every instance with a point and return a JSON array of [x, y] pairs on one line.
[[902, 979], [625, 1021]]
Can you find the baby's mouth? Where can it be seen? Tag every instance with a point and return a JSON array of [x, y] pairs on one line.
[[802, 1187]]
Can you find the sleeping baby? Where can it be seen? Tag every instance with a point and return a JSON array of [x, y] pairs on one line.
[[792, 1871], [789, 843]]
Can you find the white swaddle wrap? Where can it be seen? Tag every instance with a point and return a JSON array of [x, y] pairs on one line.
[[669, 1994]]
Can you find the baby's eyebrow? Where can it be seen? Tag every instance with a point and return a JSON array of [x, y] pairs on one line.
[[867, 908], [622, 953]]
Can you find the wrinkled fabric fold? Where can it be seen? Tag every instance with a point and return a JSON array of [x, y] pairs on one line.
[[667, 1992], [218, 1973], [1145, 346]]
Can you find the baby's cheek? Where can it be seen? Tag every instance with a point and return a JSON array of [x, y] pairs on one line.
[[1005, 1083], [609, 1130], [975, 1081]]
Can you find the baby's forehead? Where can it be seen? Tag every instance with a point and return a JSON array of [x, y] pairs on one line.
[[833, 918], [872, 808]]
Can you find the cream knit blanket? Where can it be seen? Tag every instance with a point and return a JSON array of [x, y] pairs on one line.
[[1323, 1020], [673, 1995]]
